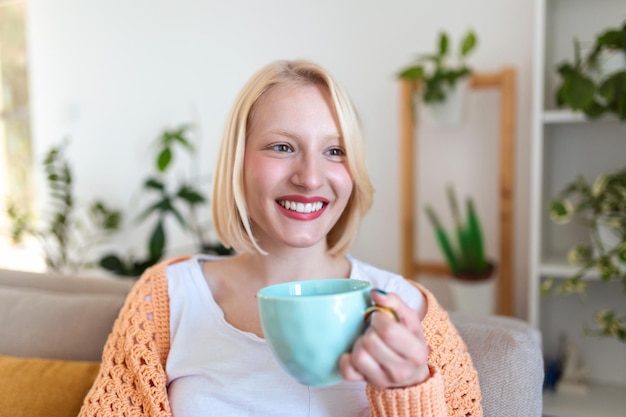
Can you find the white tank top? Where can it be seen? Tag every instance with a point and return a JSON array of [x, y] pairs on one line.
[[214, 369]]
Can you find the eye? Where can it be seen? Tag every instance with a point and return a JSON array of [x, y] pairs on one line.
[[336, 152], [281, 147]]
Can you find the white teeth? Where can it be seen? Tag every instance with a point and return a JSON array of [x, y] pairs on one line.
[[302, 207]]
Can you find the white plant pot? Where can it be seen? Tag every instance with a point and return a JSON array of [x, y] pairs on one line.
[[474, 297], [451, 112], [475, 294]]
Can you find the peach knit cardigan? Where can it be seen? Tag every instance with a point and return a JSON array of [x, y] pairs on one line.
[[132, 379]]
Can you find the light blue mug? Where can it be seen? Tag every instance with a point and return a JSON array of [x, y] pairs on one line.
[[308, 325]]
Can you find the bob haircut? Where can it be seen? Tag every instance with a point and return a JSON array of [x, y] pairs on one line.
[[230, 215]]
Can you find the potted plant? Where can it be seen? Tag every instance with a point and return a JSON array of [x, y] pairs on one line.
[[70, 231], [587, 85], [182, 201], [464, 252], [443, 78], [601, 208]]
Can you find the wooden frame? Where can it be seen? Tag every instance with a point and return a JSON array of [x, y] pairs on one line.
[[505, 81]]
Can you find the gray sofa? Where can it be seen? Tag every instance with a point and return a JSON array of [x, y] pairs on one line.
[[66, 320]]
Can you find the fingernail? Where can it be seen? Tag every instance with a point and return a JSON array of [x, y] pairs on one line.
[[379, 291]]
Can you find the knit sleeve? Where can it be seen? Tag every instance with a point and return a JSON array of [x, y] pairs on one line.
[[132, 380], [452, 388]]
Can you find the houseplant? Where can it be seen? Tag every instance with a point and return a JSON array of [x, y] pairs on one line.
[[179, 198], [464, 252], [443, 77], [600, 207], [69, 231], [584, 83]]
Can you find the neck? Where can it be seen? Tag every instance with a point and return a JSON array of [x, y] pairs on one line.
[[295, 264]]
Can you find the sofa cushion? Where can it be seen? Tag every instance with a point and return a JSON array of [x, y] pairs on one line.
[[44, 387], [53, 281], [507, 355], [57, 325]]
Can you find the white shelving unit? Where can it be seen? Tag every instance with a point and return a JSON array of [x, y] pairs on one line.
[[565, 145]]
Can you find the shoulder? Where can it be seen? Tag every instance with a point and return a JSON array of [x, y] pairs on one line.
[[157, 274], [379, 278], [386, 280], [153, 283]]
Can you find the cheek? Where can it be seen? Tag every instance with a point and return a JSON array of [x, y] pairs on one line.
[[261, 174], [342, 180]]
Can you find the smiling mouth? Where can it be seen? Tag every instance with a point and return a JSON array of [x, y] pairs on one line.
[[301, 207]]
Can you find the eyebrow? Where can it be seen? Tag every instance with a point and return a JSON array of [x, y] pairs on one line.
[[295, 136], [283, 132]]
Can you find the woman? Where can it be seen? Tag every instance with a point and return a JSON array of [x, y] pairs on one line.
[[290, 190]]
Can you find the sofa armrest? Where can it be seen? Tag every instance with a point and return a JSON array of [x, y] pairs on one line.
[[507, 355]]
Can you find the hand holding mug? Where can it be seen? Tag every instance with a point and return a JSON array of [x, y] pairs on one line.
[[390, 353]]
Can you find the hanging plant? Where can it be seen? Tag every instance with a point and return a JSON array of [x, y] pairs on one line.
[[440, 72]]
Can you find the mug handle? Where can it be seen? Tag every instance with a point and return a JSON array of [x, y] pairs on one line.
[[375, 308]]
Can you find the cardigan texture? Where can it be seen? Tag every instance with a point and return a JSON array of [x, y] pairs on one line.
[[132, 379]]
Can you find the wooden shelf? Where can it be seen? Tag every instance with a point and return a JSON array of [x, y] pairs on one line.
[[559, 268], [567, 144], [563, 116], [553, 117], [504, 81]]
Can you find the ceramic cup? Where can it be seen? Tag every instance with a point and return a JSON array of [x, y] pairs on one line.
[[308, 325]]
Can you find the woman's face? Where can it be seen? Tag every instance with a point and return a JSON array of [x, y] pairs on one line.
[[296, 176]]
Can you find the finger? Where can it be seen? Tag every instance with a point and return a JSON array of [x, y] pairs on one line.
[[365, 365], [348, 372], [381, 366], [405, 314], [395, 346], [405, 338]]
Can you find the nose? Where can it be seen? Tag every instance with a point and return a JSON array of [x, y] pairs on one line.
[[307, 173]]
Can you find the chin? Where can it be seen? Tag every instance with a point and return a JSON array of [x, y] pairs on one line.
[[304, 243]]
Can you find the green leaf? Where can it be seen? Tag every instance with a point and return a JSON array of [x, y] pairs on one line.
[[154, 183], [112, 263], [613, 90], [412, 73], [190, 195], [546, 286], [164, 159], [474, 232], [153, 208], [179, 136], [443, 44], [561, 211], [579, 255], [443, 241], [105, 218], [468, 44], [177, 215], [612, 39], [464, 258], [157, 241], [578, 91]]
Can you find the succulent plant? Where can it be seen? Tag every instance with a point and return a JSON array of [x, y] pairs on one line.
[[466, 257]]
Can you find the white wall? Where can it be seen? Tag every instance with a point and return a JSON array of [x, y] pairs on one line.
[[112, 74]]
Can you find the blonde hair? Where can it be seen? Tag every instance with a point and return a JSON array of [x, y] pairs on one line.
[[229, 207]]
